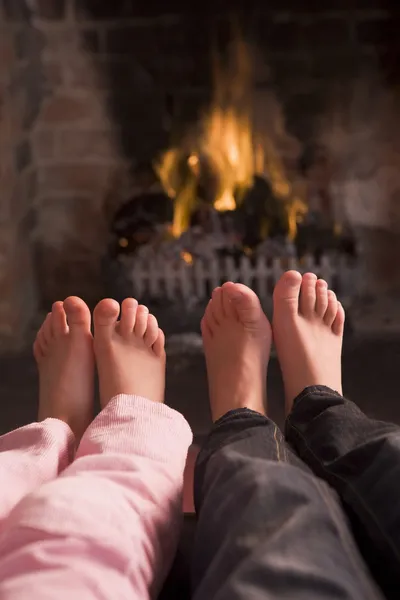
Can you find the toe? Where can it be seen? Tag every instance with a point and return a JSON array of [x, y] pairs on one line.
[[59, 319], [159, 344], [105, 317], [209, 317], [216, 305], [46, 331], [151, 333], [227, 305], [78, 314], [206, 330], [287, 291], [128, 315], [245, 303], [332, 309], [338, 323], [37, 349], [40, 345], [321, 303], [308, 295], [142, 315]]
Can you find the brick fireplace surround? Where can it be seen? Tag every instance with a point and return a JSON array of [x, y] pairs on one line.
[[89, 88]]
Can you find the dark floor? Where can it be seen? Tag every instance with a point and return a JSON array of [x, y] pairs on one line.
[[371, 378]]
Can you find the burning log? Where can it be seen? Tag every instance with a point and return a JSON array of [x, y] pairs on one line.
[[261, 213], [139, 221]]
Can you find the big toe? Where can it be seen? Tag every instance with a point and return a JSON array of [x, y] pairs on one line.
[[287, 292], [105, 317], [244, 301], [78, 314]]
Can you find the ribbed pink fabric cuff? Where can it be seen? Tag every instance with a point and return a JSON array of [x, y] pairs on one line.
[[135, 425], [47, 446]]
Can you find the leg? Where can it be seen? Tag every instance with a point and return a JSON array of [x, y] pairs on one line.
[[108, 526], [37, 453], [30, 456], [359, 457], [267, 528]]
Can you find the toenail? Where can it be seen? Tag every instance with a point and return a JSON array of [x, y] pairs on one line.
[[236, 295]]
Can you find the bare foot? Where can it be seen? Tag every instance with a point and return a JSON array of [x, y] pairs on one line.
[[308, 332], [63, 350], [237, 342], [130, 353]]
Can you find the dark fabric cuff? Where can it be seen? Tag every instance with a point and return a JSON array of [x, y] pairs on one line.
[[237, 413], [314, 389]]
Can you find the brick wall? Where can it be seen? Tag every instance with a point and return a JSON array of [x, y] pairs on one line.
[[77, 156], [311, 48], [20, 94]]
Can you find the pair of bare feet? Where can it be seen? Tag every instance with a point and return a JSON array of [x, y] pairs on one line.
[[307, 330], [129, 352]]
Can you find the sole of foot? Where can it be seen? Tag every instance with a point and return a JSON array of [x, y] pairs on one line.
[[237, 343], [308, 324], [129, 352], [63, 350]]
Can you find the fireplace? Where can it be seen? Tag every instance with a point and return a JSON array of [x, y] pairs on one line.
[[96, 97]]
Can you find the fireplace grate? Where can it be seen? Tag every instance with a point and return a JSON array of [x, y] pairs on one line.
[[163, 278]]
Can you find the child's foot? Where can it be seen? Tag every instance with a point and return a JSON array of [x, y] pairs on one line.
[[308, 331], [130, 353], [63, 350], [237, 342]]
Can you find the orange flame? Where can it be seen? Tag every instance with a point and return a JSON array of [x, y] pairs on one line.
[[187, 258], [229, 145]]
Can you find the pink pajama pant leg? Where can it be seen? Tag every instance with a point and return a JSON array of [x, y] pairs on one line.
[[108, 526], [30, 456]]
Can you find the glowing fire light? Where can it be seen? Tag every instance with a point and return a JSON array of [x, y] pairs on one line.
[[193, 160], [187, 257], [229, 148], [225, 202]]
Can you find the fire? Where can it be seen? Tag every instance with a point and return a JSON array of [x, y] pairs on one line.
[[270, 164], [226, 146], [193, 161], [187, 257], [225, 202]]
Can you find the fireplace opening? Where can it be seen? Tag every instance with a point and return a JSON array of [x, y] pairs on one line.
[[230, 199]]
